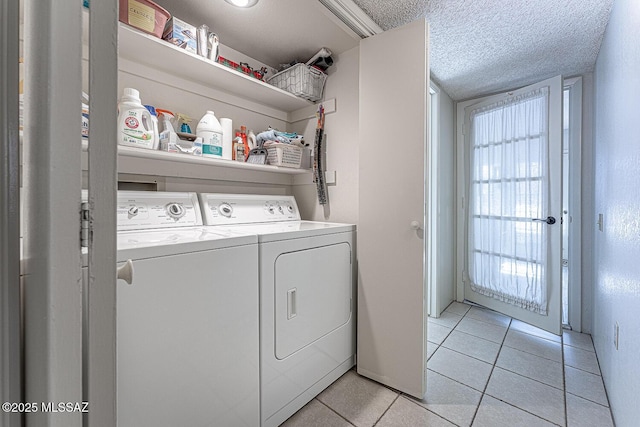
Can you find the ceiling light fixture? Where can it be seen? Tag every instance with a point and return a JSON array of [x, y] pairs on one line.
[[242, 3]]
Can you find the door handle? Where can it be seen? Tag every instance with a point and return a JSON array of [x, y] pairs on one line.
[[292, 306], [126, 272], [415, 225], [549, 220]]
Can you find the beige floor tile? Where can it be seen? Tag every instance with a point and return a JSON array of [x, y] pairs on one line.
[[584, 413], [576, 339], [447, 318], [534, 345], [480, 329], [361, 401], [532, 330], [586, 385], [539, 399], [404, 413], [315, 414], [489, 316], [464, 369], [458, 308], [449, 399], [581, 359], [482, 349], [531, 366], [494, 413], [437, 333]]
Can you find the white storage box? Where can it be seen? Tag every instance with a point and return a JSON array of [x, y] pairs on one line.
[[301, 80], [286, 155]]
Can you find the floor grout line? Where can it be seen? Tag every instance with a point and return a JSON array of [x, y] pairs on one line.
[[586, 398], [332, 410], [493, 367], [386, 410], [413, 401]]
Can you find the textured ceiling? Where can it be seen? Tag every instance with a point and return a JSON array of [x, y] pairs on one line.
[[477, 46], [485, 46]]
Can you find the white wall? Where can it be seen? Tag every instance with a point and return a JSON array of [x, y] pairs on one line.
[[445, 266], [617, 196], [341, 129]]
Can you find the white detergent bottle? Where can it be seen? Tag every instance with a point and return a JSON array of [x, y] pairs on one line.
[[135, 126], [210, 130]]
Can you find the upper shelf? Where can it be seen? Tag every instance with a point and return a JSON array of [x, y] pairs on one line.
[[156, 53]]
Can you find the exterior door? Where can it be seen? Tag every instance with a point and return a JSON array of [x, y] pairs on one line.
[[392, 326], [513, 211]]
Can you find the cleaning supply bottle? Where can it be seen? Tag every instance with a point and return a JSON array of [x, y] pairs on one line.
[[210, 130], [154, 121], [168, 136], [135, 127]]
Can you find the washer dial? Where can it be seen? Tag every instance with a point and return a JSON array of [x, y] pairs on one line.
[[175, 210]]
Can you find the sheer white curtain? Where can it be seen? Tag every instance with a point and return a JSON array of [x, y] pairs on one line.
[[509, 188]]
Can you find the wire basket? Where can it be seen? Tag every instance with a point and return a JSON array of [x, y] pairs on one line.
[[301, 80], [287, 155]]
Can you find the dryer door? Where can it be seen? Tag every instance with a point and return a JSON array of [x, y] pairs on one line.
[[312, 295]]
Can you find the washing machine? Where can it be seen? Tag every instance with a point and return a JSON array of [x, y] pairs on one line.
[[307, 296], [187, 325]]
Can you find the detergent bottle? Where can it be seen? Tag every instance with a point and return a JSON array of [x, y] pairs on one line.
[[210, 130], [135, 126]]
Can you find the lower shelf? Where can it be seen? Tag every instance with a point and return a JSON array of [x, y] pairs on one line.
[[132, 160]]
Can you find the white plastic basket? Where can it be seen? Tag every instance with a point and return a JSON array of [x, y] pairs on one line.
[[301, 80], [287, 155]]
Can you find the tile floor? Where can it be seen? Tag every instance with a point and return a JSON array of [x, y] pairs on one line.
[[484, 369]]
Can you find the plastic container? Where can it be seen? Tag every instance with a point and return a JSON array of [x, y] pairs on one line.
[[135, 126], [286, 155], [227, 138], [301, 80], [144, 15], [210, 130], [154, 120]]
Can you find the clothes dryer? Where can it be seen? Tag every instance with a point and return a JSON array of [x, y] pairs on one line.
[[307, 297]]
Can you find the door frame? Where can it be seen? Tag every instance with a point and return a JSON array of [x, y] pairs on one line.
[[575, 201], [461, 193], [431, 246], [10, 353]]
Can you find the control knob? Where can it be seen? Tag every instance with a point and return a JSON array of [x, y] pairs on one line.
[[175, 210], [225, 209]]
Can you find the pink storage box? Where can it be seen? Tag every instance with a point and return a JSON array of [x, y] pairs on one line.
[[144, 15]]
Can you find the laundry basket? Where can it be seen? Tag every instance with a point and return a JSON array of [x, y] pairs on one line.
[[301, 80], [287, 155]]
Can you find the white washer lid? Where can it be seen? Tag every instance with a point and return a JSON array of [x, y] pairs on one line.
[[155, 243]]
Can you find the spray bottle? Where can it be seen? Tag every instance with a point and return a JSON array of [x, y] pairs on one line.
[[168, 136]]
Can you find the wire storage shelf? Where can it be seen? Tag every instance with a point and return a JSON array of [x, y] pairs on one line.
[[301, 80]]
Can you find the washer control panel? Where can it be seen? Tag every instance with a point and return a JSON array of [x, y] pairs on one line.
[[220, 209], [140, 210]]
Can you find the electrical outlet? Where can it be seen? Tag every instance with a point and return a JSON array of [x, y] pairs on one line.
[[616, 335]]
